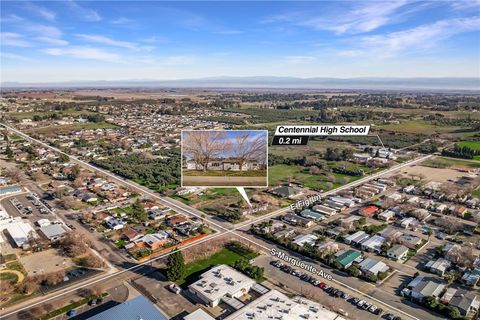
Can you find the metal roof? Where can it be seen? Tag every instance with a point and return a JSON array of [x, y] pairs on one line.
[[134, 309]]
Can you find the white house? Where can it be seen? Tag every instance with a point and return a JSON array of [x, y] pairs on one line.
[[397, 252]]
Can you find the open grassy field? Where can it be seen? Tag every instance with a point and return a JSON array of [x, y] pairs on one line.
[[476, 193], [443, 162], [282, 173], [196, 268], [67, 128], [418, 126], [314, 147]]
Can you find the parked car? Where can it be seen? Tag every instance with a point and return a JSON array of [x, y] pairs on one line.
[[322, 285], [174, 288], [354, 300]]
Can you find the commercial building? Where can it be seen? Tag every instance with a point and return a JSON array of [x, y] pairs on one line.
[[20, 233], [53, 232], [134, 309], [276, 305], [221, 283]]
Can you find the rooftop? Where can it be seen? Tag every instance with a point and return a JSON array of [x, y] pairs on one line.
[[134, 309], [220, 281], [276, 305]]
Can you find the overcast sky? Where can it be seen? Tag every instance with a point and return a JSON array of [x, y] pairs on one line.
[[123, 40]]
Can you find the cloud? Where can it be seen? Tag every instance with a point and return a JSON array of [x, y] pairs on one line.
[[424, 36], [96, 38], [11, 39], [363, 17], [11, 18], [41, 11], [465, 4], [228, 32], [299, 59], [121, 21], [52, 41], [85, 52], [45, 31], [13, 56], [86, 13]]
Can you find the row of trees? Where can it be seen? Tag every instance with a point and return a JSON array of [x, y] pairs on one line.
[[460, 152]]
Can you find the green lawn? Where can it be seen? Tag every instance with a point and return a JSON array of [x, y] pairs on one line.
[[196, 268], [281, 173], [475, 145], [476, 193], [8, 276], [443, 162], [16, 265]]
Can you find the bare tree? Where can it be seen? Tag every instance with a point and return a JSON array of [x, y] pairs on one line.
[[247, 149], [203, 146], [14, 174], [54, 278]]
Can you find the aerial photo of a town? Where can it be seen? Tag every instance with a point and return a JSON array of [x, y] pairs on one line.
[[240, 160]]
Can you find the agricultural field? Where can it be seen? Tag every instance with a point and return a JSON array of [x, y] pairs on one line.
[[475, 145], [419, 127]]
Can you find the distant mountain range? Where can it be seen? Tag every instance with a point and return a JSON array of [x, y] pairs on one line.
[[470, 84]]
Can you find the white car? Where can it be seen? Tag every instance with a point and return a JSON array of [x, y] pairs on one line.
[[174, 288]]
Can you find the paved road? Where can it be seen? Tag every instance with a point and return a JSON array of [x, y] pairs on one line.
[[354, 286], [223, 226]]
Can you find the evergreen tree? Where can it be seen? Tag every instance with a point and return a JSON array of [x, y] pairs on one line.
[[175, 266], [9, 152], [138, 211]]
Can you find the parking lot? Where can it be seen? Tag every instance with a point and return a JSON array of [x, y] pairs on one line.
[[327, 294], [27, 206]]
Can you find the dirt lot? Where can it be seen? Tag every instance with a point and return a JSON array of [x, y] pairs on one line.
[[433, 174], [45, 262]]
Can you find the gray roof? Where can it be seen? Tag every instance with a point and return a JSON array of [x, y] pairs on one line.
[[52, 230], [134, 309], [428, 287], [398, 250], [463, 300]]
